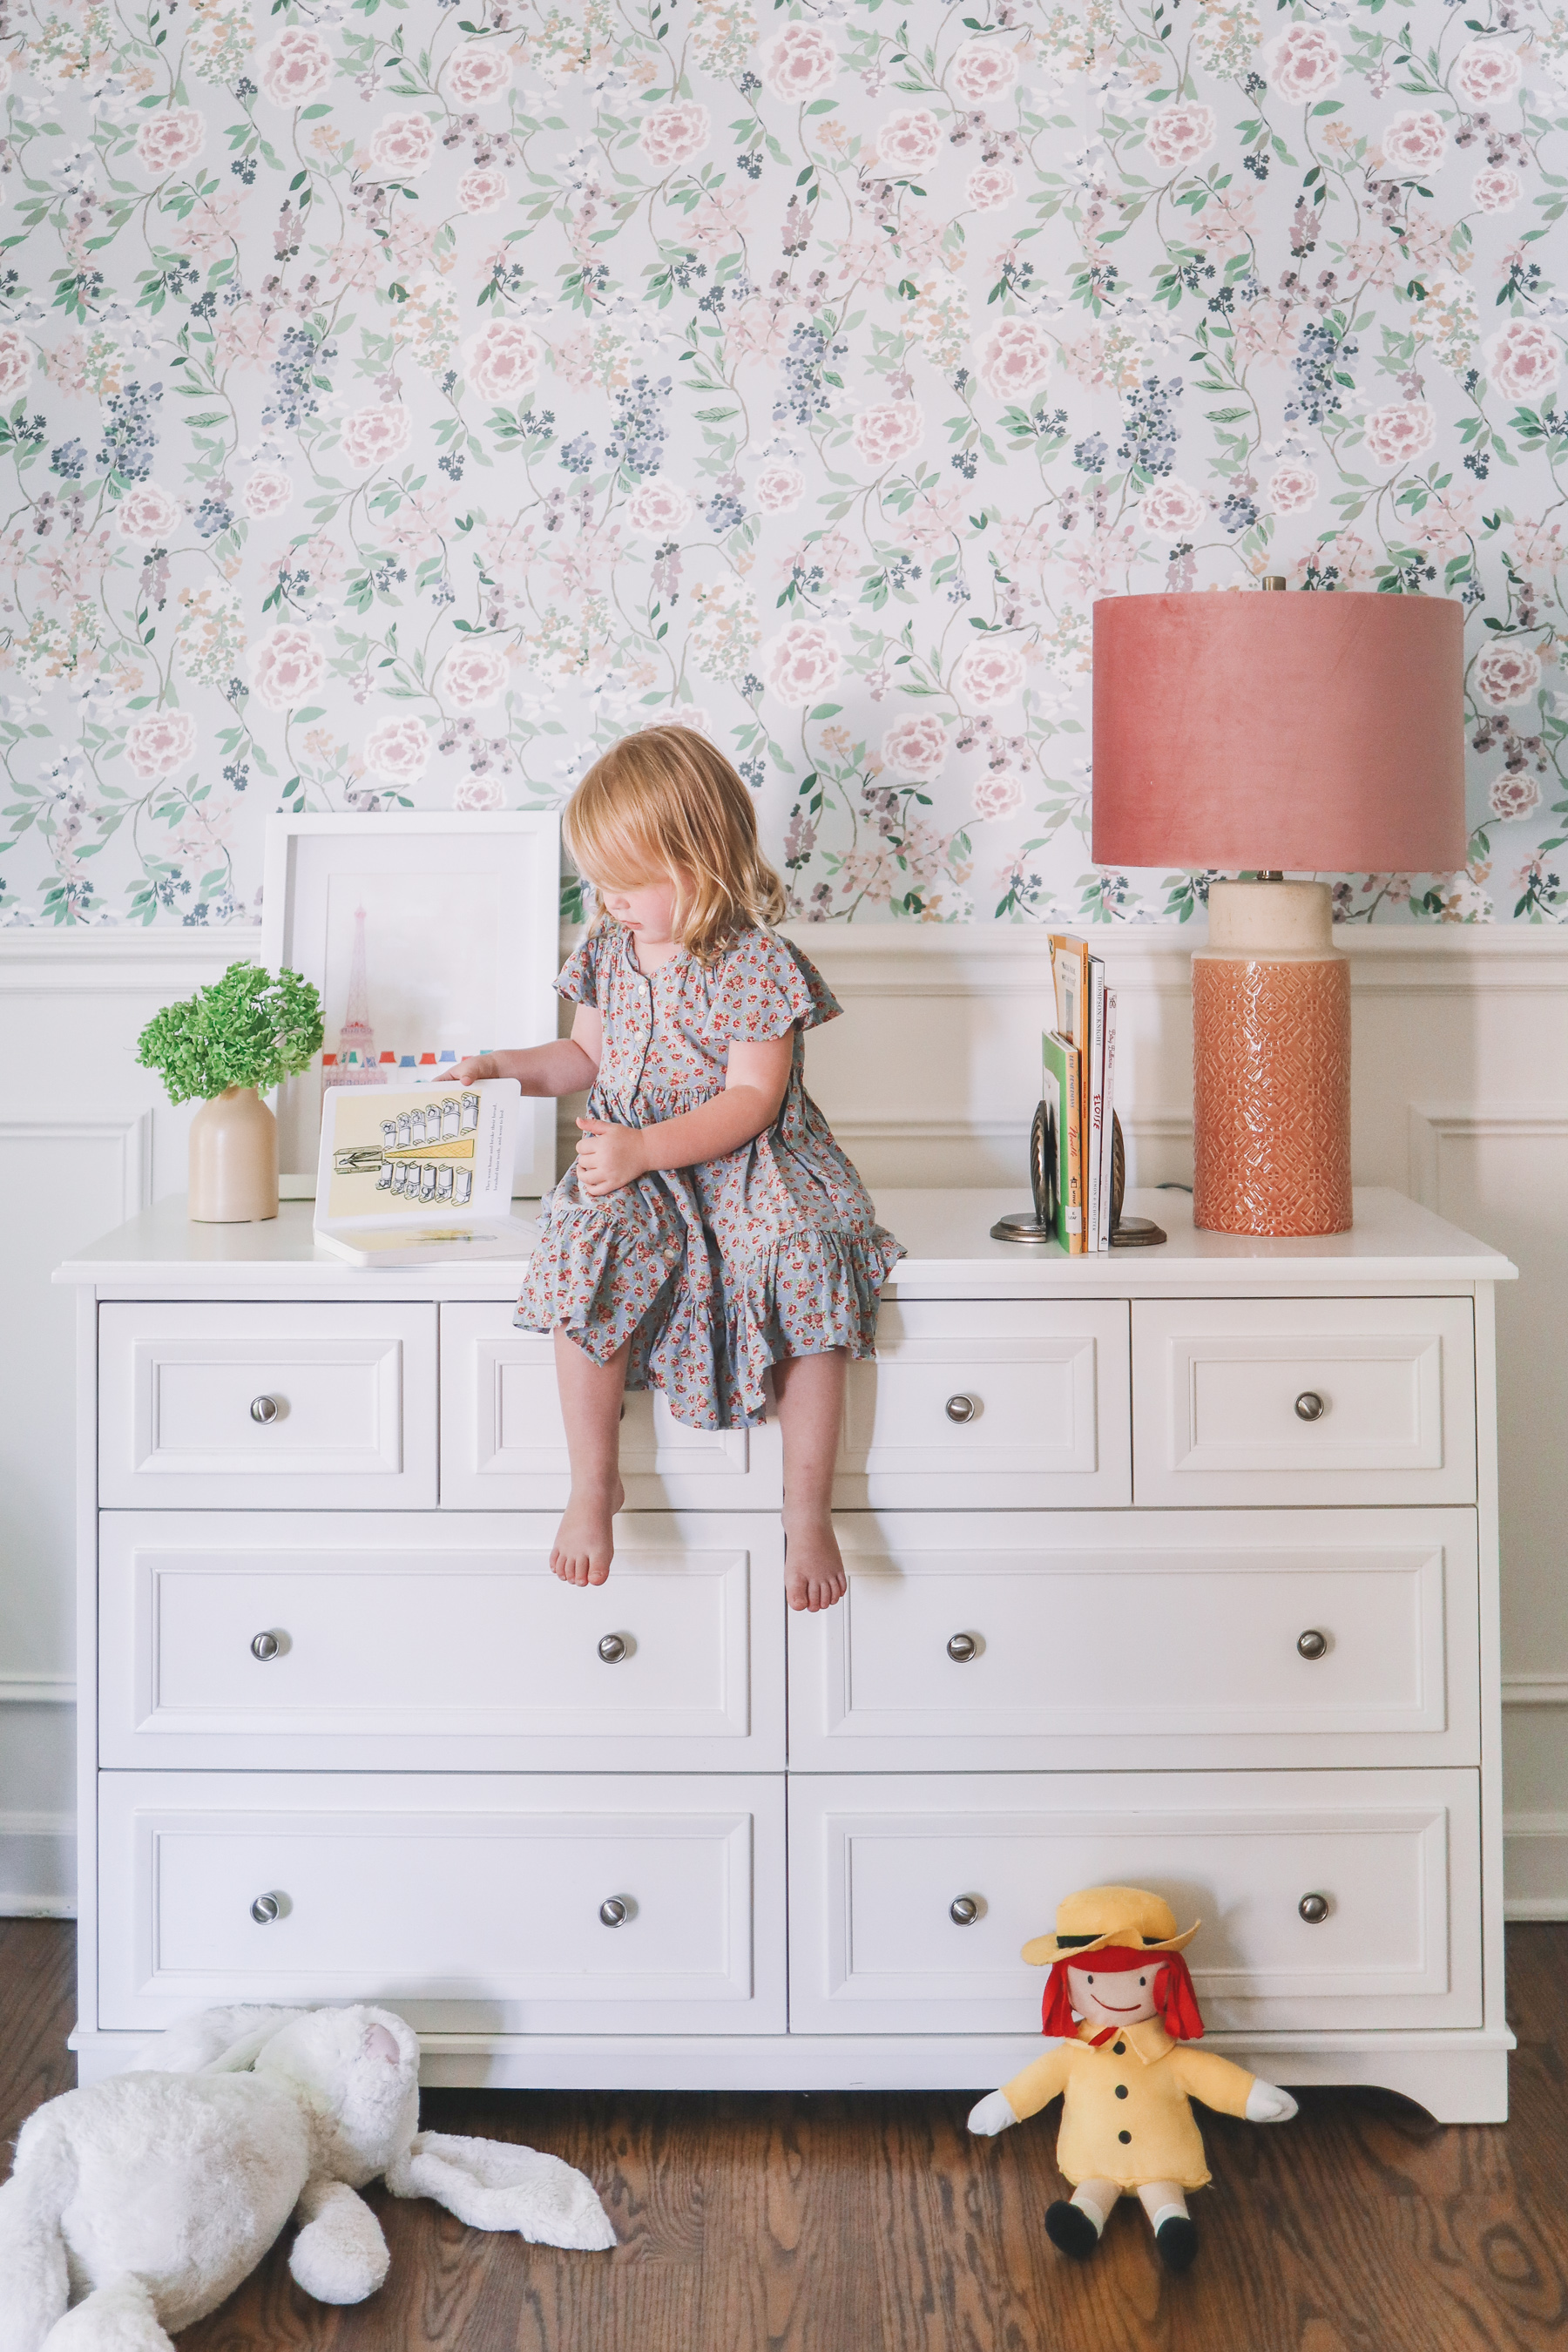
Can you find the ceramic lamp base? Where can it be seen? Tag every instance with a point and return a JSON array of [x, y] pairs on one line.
[[1271, 1064]]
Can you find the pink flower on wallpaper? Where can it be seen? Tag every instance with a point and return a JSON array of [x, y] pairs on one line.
[[989, 674], [801, 662], [908, 142], [267, 491], [398, 750], [169, 140], [1177, 135], [800, 63], [1403, 430], [982, 71], [916, 746], [159, 743], [781, 486], [477, 75], [891, 430], [375, 434], [989, 187], [295, 67], [1302, 64], [658, 509], [17, 360], [1496, 188], [482, 191], [1291, 488], [1513, 796], [1173, 509], [1506, 672], [149, 515], [1523, 360], [474, 676], [401, 146], [998, 794], [1485, 74], [1414, 142], [671, 135], [478, 795], [503, 360], [287, 667], [1015, 359]]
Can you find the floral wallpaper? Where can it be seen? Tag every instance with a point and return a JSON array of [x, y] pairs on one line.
[[398, 404]]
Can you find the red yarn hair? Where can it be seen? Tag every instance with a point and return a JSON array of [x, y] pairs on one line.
[[1178, 2002]]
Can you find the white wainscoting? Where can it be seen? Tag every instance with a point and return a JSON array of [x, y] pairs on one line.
[[1461, 1098]]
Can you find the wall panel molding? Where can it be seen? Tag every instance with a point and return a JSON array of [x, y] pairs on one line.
[[1431, 1125], [1548, 1689], [21, 1688], [131, 1129]]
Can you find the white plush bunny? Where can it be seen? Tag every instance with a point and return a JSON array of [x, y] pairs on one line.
[[136, 2206]]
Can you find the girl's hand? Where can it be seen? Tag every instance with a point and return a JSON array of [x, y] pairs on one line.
[[477, 1067], [608, 1157]]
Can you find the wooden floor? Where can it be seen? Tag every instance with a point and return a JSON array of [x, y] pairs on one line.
[[874, 2223]]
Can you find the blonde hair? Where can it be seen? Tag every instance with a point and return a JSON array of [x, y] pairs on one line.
[[664, 801]]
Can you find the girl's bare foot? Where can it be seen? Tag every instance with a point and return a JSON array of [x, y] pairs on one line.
[[814, 1572], [584, 1541]]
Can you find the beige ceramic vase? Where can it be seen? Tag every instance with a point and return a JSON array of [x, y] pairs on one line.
[[233, 1160]]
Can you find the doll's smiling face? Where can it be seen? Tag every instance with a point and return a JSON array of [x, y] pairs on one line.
[[1115, 1996]]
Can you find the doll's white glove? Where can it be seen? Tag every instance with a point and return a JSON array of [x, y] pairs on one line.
[[993, 2115], [1267, 2103]]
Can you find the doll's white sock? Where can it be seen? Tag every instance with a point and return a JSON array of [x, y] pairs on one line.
[[1087, 2205], [1169, 2213]]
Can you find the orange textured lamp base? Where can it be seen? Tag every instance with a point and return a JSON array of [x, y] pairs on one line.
[[1271, 1066]]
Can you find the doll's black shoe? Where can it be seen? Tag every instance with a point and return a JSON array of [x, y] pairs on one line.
[[1177, 2239], [1070, 2228]]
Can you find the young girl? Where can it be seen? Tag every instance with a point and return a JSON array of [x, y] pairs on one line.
[[711, 1228]]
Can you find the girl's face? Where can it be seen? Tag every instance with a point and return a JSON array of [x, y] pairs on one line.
[[646, 910], [1124, 1997]]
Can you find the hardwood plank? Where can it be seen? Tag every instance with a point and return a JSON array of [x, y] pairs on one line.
[[873, 2223]]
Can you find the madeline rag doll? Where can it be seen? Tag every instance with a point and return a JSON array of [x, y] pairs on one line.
[[1125, 2071]]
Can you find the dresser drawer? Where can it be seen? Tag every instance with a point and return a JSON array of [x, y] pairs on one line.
[[1304, 1400], [1038, 1640], [470, 1903], [987, 1404], [877, 1863], [400, 1641], [330, 1406], [503, 1444]]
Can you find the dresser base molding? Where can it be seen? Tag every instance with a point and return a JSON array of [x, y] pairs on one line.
[[1459, 2078]]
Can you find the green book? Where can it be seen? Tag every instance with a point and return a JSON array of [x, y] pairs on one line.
[[1063, 1156]]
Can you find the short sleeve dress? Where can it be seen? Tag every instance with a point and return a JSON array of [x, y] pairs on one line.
[[711, 1272]]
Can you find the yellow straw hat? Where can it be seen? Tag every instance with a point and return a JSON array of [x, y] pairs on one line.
[[1098, 1915]]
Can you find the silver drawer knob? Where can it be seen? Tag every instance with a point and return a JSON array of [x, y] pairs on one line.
[[264, 1910], [615, 1912], [1314, 1909], [264, 1410], [265, 1646], [1311, 1644], [1310, 1406], [961, 1647], [612, 1648], [961, 1408], [963, 1910]]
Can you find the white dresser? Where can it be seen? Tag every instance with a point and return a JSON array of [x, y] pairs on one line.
[[1177, 1566]]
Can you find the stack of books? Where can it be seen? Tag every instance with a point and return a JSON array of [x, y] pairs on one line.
[[1079, 1085]]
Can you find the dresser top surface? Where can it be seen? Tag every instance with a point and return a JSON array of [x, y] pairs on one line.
[[1395, 1243]]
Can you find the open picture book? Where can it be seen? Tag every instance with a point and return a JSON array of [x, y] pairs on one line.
[[415, 1175]]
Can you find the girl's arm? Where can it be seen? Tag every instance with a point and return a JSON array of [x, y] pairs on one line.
[[758, 1076], [564, 1067]]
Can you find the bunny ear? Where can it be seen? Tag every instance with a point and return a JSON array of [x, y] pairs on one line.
[[214, 2042], [493, 2184]]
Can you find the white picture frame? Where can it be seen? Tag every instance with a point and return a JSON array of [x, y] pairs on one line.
[[439, 927]]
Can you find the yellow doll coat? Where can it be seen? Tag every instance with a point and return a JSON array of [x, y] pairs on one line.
[[1125, 2111]]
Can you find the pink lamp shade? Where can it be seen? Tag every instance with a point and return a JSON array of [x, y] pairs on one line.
[[1317, 732]]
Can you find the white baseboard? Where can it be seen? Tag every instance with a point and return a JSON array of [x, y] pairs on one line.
[[37, 1866], [1535, 1866]]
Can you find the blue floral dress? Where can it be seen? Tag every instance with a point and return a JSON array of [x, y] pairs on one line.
[[711, 1272]]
